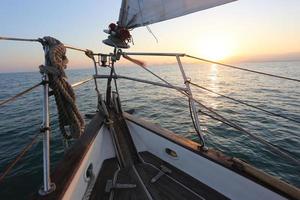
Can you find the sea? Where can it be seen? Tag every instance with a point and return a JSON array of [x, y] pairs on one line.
[[20, 120]]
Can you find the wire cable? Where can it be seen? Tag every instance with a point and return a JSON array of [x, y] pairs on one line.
[[272, 147], [35, 86], [81, 82], [19, 157], [19, 94], [20, 39], [244, 103], [244, 69], [276, 150]]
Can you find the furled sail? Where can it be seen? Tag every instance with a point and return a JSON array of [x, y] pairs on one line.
[[135, 13]]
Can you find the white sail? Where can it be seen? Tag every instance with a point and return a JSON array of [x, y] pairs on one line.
[[135, 13]]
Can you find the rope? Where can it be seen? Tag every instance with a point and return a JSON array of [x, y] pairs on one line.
[[19, 94], [244, 103], [244, 69], [273, 148], [19, 157], [68, 113]]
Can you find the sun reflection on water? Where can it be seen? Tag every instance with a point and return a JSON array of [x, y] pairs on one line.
[[214, 78], [213, 74]]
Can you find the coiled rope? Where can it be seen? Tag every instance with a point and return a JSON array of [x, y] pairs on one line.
[[56, 63], [68, 113]]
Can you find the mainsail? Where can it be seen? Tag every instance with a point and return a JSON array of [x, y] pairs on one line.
[[136, 13]]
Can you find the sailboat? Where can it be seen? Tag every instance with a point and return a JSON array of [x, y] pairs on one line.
[[121, 156]]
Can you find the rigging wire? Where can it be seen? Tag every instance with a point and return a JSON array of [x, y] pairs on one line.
[[81, 82], [35, 86], [232, 126], [33, 141], [272, 147], [244, 103], [186, 55], [40, 40], [29, 145], [76, 49], [19, 94], [244, 69], [20, 39], [19, 157], [226, 123], [150, 31], [257, 138]]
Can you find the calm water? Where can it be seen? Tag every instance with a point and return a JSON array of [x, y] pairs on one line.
[[20, 121]]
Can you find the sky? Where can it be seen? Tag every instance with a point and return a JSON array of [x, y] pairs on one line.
[[245, 30]]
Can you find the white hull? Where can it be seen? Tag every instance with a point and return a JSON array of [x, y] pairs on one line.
[[101, 149]]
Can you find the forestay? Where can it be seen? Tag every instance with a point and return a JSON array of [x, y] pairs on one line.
[[135, 13]]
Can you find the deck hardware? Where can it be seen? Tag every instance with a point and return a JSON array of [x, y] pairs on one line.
[[89, 173], [43, 129], [89, 115], [164, 170], [103, 60], [170, 152], [116, 101], [48, 186], [110, 185], [108, 121], [193, 109], [68, 132], [202, 148]]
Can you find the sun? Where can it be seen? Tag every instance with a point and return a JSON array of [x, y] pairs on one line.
[[215, 48]]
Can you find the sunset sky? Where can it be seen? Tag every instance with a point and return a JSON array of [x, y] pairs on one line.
[[245, 30]]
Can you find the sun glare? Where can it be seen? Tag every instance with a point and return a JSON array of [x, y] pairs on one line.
[[215, 47]]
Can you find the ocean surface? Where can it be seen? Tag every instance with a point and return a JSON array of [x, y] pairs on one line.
[[20, 120]]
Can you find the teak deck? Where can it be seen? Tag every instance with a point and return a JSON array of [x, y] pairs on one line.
[[172, 186]]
